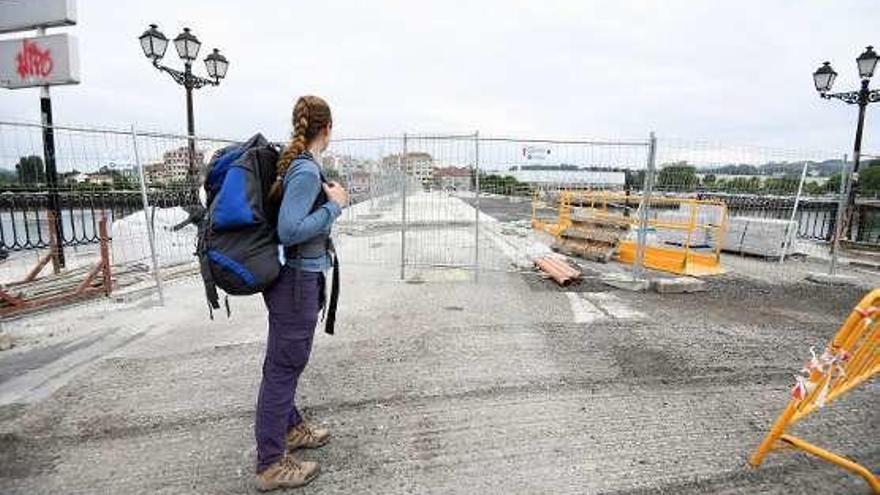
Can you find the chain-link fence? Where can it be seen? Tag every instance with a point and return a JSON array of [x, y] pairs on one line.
[[466, 201], [781, 206], [133, 184], [463, 201]]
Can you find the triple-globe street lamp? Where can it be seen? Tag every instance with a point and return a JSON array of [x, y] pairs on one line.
[[823, 78], [154, 43]]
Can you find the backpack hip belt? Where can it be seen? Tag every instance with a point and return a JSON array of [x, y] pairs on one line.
[[312, 248]]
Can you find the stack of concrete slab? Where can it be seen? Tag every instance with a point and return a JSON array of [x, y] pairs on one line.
[[745, 235], [759, 236]]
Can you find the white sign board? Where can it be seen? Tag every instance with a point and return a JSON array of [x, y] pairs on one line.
[[23, 15], [39, 61], [530, 153]]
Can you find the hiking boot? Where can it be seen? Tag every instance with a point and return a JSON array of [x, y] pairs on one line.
[[289, 472], [306, 436]]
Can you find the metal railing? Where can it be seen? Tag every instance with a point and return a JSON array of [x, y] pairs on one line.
[[24, 223]]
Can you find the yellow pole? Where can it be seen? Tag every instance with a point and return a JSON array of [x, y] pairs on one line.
[[834, 459], [776, 431], [691, 226], [722, 230]]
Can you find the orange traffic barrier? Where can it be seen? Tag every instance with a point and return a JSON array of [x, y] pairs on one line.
[[852, 357]]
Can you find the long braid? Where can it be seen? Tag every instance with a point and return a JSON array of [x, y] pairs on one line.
[[294, 148]]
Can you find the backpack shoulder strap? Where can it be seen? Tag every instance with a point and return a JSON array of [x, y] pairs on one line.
[[205, 268]]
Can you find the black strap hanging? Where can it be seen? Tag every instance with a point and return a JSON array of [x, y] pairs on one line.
[[334, 296]]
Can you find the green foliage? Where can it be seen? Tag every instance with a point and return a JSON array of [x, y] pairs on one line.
[[814, 188], [8, 177], [833, 184], [30, 170], [634, 179], [782, 185], [869, 178], [740, 185], [742, 169], [677, 177], [506, 184], [709, 180]]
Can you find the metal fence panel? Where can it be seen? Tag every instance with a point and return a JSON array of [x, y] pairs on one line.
[[464, 201]]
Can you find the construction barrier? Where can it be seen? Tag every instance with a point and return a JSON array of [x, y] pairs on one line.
[[852, 357], [685, 235], [61, 287]]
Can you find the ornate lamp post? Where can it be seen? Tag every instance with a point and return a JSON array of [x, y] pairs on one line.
[[823, 78], [154, 43]]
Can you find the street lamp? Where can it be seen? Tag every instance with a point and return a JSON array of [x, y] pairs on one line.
[[823, 79], [154, 44]]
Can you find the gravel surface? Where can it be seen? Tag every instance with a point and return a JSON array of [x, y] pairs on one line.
[[469, 387], [438, 385]]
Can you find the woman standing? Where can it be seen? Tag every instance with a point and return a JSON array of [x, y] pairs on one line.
[[308, 209]]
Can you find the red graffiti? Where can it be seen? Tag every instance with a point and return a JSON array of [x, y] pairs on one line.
[[33, 62]]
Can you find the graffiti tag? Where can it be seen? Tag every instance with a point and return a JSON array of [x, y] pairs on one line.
[[32, 61]]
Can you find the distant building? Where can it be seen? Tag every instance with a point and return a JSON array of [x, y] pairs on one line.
[[99, 178], [153, 172], [582, 178], [176, 163], [357, 181], [174, 166], [416, 164], [456, 178], [94, 178], [74, 177], [128, 173]]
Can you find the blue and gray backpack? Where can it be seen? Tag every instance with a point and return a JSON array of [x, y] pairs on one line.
[[238, 244]]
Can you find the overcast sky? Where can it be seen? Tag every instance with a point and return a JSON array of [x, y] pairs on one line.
[[735, 71]]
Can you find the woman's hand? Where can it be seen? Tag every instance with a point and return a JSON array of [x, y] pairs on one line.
[[336, 193]]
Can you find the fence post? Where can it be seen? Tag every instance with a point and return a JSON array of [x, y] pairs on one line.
[[638, 271], [402, 159], [477, 206], [841, 204], [146, 204], [797, 200]]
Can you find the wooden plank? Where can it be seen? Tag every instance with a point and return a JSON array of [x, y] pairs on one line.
[[39, 268]]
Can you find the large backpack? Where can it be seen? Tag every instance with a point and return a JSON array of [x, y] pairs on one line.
[[238, 244]]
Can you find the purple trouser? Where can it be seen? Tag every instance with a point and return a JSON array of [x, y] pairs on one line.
[[293, 314]]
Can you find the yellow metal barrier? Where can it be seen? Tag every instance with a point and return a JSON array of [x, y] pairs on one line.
[[852, 357], [682, 259], [563, 221]]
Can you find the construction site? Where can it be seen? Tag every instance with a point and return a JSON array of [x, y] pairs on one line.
[[541, 371]]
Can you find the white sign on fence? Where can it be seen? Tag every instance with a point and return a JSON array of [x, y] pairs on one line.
[[535, 152], [39, 61], [23, 15]]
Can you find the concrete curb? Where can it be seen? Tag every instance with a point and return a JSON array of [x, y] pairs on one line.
[[826, 279], [625, 282], [677, 285]]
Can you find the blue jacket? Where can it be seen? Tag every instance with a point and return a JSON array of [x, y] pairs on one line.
[[297, 222]]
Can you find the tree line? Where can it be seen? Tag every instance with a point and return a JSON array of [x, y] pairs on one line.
[[682, 177], [30, 173]]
